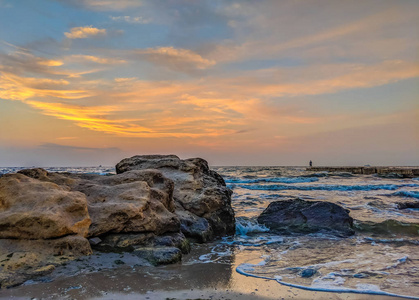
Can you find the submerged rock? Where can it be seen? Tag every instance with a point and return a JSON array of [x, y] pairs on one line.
[[300, 216], [406, 205]]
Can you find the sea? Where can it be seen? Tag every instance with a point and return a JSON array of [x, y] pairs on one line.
[[382, 258]]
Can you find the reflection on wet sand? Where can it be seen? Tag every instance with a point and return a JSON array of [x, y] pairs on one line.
[[202, 275]]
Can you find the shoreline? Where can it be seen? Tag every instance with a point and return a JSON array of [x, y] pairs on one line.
[[190, 279]]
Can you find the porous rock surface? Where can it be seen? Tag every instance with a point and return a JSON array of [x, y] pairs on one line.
[[147, 208], [199, 193], [300, 216]]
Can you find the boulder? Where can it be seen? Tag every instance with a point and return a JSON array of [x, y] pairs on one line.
[[21, 260], [300, 216], [122, 242], [159, 255], [136, 201], [48, 218], [195, 227], [31, 209], [406, 205], [198, 189]]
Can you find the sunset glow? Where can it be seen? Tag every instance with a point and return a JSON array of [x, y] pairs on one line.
[[236, 82]]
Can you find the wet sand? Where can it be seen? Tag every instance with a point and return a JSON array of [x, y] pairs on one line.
[[99, 277]]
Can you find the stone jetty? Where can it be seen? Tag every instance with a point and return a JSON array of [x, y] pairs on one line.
[[403, 172]]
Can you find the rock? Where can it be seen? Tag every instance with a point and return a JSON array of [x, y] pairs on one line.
[[159, 255], [48, 218], [308, 273], [195, 227], [405, 205], [197, 189], [120, 242], [31, 209], [300, 216], [124, 242], [22, 260], [94, 241], [177, 240], [136, 201]]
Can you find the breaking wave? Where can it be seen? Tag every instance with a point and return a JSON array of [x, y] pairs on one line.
[[408, 194], [322, 187], [274, 180]]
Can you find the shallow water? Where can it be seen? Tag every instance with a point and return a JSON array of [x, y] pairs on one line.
[[381, 258]]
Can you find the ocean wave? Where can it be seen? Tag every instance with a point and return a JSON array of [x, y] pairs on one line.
[[245, 226], [323, 187], [388, 227], [333, 285], [274, 180], [407, 194]]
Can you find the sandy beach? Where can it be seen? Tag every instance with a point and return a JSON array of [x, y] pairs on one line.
[[99, 277]]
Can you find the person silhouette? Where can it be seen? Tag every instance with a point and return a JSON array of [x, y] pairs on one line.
[[311, 163]]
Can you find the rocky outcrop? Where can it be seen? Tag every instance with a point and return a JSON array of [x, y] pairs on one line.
[[146, 209], [199, 191], [31, 209], [136, 201], [300, 216], [22, 259]]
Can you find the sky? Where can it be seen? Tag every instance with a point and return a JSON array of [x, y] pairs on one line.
[[90, 82]]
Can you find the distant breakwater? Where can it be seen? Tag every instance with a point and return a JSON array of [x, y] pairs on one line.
[[405, 172]]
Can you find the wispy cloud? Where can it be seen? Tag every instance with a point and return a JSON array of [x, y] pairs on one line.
[[84, 32], [105, 5], [96, 59], [178, 59], [132, 20]]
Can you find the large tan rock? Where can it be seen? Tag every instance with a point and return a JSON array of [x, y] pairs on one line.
[[31, 209], [136, 201], [198, 189]]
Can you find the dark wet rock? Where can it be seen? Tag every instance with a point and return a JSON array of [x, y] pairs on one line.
[[300, 216], [390, 175], [118, 262], [94, 241], [195, 227], [388, 227], [308, 273], [159, 255], [377, 204], [198, 189], [120, 242], [361, 275], [27, 259], [405, 205], [177, 240]]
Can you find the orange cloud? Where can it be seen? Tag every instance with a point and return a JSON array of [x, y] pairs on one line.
[[97, 59], [16, 87], [177, 59], [95, 118], [50, 62], [84, 32]]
